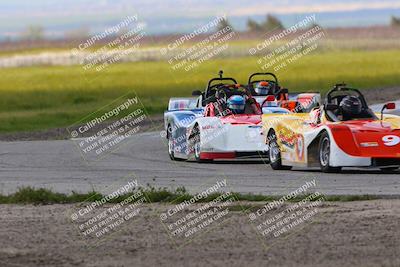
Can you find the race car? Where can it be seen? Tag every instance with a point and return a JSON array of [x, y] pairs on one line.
[[266, 89], [224, 122], [344, 132]]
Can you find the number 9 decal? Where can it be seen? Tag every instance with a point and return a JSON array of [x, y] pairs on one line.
[[391, 140]]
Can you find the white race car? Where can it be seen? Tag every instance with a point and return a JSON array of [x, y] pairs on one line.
[[199, 129]]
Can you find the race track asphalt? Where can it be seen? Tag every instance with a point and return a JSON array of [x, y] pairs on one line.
[[58, 165]]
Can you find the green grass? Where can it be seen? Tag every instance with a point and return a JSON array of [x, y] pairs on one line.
[[36, 98], [29, 195]]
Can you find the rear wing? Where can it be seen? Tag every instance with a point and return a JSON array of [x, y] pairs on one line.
[[182, 103], [306, 101], [296, 102]]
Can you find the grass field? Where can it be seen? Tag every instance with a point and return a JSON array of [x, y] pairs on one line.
[[29, 195], [36, 98]]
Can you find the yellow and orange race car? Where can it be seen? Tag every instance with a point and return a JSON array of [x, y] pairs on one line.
[[344, 132]]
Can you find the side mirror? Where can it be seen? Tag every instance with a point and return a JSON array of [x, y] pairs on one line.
[[331, 107], [196, 93], [270, 98], [389, 106]]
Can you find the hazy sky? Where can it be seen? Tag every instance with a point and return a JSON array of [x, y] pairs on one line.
[[57, 16], [185, 7]]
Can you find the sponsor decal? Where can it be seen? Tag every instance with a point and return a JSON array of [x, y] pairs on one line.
[[369, 144], [287, 137]]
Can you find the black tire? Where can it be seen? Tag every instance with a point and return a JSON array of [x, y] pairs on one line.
[[275, 154], [324, 154], [389, 169], [197, 145], [171, 144]]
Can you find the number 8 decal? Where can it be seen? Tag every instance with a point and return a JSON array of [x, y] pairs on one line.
[[391, 140]]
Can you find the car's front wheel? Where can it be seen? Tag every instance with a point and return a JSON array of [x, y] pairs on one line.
[[275, 154], [171, 143], [325, 154], [197, 146]]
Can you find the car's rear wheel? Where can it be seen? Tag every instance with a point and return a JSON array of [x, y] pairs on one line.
[[274, 151], [325, 154]]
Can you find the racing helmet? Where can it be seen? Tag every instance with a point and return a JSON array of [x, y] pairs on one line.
[[262, 88], [236, 104], [351, 105]]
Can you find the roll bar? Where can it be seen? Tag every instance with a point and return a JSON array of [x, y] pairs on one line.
[[262, 74]]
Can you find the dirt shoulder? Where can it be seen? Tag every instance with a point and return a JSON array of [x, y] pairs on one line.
[[364, 233], [381, 95]]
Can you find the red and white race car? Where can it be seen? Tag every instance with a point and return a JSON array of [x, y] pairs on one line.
[[344, 132], [207, 129]]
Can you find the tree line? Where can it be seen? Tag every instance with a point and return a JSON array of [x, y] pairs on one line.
[[270, 23]]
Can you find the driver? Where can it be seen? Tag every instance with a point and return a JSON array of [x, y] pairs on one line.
[[263, 88], [350, 108], [250, 104], [236, 104]]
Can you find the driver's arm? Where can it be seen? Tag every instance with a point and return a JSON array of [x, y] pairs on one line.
[[254, 105]]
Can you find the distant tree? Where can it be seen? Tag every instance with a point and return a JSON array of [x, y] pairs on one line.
[[394, 21], [78, 34], [33, 33], [253, 26], [272, 23], [223, 24]]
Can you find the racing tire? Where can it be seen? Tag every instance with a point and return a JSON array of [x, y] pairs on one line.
[[197, 146], [389, 169], [171, 145], [324, 154], [171, 149], [274, 153]]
